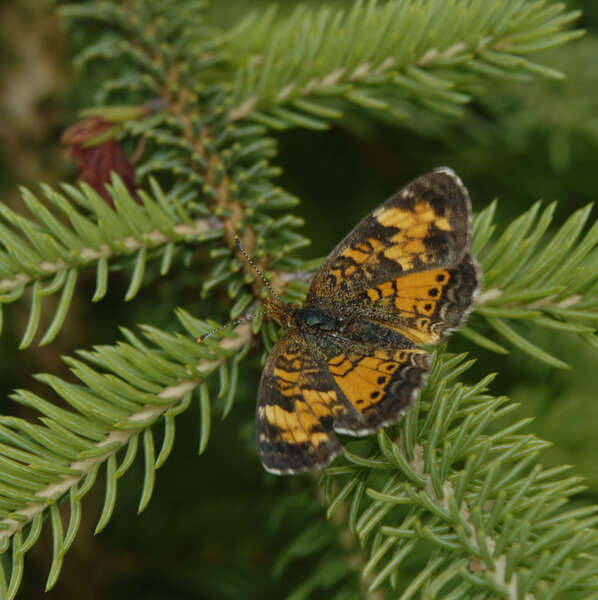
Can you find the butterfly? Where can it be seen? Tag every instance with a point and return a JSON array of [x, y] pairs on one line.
[[349, 360]]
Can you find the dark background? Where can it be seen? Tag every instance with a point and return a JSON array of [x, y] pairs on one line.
[[217, 524]]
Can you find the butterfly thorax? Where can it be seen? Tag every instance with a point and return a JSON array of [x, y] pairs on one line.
[[315, 319], [308, 319]]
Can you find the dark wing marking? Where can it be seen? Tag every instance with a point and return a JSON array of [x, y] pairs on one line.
[[425, 225], [296, 407], [424, 305], [377, 371]]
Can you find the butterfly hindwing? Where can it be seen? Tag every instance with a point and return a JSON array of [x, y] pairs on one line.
[[377, 372], [308, 390], [381, 386], [423, 305], [296, 408]]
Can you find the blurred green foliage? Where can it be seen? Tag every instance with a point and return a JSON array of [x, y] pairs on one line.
[[205, 535]]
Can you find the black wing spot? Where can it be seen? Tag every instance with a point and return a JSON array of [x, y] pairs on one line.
[[374, 395], [382, 379], [327, 422], [440, 278], [433, 292]]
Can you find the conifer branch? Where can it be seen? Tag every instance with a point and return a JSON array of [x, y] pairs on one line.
[[138, 388], [223, 169], [493, 520], [42, 248], [432, 53], [560, 113], [536, 279]]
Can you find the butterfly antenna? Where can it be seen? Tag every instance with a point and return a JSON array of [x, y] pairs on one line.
[[257, 270], [243, 319], [249, 316]]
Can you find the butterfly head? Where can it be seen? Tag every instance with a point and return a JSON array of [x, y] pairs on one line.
[[283, 312]]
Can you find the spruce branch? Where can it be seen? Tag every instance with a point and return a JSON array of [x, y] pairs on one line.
[[493, 516], [559, 113], [223, 170], [44, 253], [136, 386], [384, 57], [223, 188], [536, 278], [494, 522]]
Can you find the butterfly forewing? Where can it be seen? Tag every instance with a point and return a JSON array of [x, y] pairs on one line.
[[407, 264], [427, 224]]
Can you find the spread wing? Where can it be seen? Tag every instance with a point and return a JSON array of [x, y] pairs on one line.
[[407, 264], [403, 276], [423, 305], [352, 386], [296, 408], [377, 372]]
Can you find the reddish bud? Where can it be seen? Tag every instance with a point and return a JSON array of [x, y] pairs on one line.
[[98, 154]]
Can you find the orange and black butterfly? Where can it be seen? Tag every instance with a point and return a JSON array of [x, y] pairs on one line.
[[348, 362]]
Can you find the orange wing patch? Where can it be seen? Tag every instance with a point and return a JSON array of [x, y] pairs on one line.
[[415, 226], [422, 213], [310, 406], [416, 297], [366, 380], [365, 256], [364, 252], [298, 426]]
